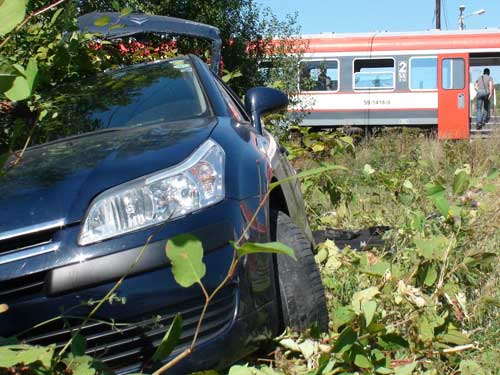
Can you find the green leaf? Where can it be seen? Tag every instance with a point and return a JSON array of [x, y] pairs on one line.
[[20, 69], [383, 370], [405, 369], [342, 315], [307, 173], [347, 139], [378, 355], [269, 247], [185, 251], [455, 337], [442, 205], [460, 182], [78, 345], [362, 296], [31, 73], [12, 355], [425, 329], [431, 275], [369, 308], [392, 341], [126, 11], [19, 91], [55, 16], [170, 340], [43, 114], [82, 365], [405, 198], [434, 189], [408, 185], [12, 12], [377, 269], [318, 147], [362, 361], [245, 370], [489, 188], [231, 75], [432, 248], [492, 174], [468, 367], [102, 21], [345, 341]]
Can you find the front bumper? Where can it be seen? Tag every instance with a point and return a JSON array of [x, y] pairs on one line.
[[125, 333]]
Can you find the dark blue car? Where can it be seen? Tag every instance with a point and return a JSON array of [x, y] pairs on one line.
[[156, 149]]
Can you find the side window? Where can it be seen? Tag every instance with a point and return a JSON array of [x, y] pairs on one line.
[[453, 74], [373, 74], [423, 73], [319, 75], [237, 112]]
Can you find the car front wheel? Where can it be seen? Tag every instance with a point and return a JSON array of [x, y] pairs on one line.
[[301, 290]]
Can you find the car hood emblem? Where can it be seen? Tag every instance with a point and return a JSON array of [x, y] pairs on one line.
[[139, 19]]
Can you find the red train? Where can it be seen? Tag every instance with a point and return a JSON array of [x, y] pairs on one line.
[[410, 79]]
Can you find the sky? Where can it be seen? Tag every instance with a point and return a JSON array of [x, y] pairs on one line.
[[316, 16]]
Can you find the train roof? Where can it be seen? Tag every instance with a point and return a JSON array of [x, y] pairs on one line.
[[485, 40]]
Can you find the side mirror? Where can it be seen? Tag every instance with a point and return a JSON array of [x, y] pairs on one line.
[[263, 100]]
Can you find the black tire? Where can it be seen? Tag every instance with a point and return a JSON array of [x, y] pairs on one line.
[[301, 291]]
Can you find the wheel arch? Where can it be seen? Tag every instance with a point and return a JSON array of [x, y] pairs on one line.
[[277, 200]]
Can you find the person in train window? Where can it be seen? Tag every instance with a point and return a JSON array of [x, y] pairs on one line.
[[484, 92], [324, 82]]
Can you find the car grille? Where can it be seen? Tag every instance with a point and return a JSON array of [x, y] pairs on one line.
[[21, 288], [27, 241], [132, 344]]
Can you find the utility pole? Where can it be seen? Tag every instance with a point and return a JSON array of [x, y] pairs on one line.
[[438, 14]]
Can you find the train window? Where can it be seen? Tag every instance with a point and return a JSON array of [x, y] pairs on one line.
[[453, 74], [374, 74], [423, 73], [319, 75]]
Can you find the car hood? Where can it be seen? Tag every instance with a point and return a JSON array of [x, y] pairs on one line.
[[58, 180]]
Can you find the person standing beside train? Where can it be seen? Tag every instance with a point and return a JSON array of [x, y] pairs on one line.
[[484, 92]]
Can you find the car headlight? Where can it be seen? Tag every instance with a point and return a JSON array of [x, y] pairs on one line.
[[195, 183]]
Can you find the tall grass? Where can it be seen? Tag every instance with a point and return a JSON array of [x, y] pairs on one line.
[[386, 185]]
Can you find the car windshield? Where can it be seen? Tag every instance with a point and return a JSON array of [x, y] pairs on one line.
[[138, 96]]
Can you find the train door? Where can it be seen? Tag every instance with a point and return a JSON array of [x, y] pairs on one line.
[[453, 96]]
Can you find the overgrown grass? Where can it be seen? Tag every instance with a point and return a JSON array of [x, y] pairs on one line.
[[394, 155], [448, 317]]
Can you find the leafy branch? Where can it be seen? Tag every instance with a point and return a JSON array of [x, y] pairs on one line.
[[185, 253], [21, 10]]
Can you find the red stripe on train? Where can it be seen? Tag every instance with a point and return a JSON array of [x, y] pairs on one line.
[[403, 42]]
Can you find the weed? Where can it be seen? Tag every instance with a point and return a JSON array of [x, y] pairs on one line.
[[429, 303]]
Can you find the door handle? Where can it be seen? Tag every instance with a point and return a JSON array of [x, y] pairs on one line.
[[461, 101]]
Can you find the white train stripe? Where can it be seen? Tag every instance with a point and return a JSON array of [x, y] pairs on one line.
[[372, 101]]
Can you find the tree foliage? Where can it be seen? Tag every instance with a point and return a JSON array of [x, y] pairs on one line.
[[46, 49], [242, 23]]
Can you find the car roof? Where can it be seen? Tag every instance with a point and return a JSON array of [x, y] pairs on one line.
[[118, 26]]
